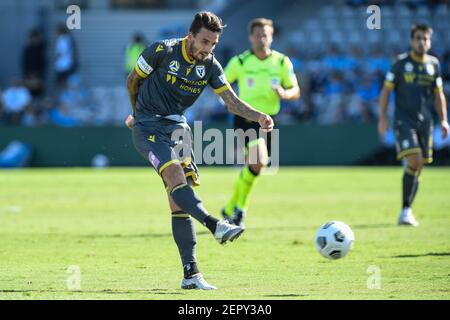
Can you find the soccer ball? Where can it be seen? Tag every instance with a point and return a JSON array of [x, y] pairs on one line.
[[334, 240]]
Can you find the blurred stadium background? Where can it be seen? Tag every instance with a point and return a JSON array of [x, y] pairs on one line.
[[66, 111]]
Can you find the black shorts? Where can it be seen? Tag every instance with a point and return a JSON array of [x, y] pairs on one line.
[[244, 124], [410, 140], [161, 146]]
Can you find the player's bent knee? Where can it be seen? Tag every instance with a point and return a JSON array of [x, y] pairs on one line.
[[258, 156], [173, 175], [415, 161], [263, 159], [263, 155], [256, 168]]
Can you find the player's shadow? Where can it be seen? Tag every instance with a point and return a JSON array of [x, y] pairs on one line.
[[429, 254], [374, 226], [106, 291]]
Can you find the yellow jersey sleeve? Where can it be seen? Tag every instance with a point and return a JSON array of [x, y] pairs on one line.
[[438, 84], [288, 77], [233, 69], [391, 77]]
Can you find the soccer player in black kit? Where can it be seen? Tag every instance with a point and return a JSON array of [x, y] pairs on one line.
[[169, 76], [416, 80]]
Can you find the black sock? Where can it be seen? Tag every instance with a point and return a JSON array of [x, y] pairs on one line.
[[183, 232], [416, 187], [190, 269], [186, 199], [409, 181], [211, 223]]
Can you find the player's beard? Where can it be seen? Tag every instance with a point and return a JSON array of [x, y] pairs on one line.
[[196, 54], [419, 52]]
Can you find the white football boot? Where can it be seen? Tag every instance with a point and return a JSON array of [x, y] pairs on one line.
[[227, 232], [407, 218], [196, 282]]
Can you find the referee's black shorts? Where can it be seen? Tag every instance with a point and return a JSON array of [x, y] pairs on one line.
[[244, 124]]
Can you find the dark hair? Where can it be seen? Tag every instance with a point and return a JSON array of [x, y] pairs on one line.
[[138, 37], [420, 27], [259, 22], [207, 20]]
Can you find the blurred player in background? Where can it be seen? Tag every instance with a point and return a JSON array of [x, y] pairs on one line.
[[264, 76], [416, 80], [133, 51], [169, 76]]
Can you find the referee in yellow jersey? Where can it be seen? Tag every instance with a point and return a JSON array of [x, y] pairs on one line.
[[264, 76]]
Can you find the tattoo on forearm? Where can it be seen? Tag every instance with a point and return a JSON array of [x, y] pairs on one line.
[[239, 107], [133, 83]]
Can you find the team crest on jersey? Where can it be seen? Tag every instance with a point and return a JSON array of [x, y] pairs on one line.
[[200, 71], [409, 67], [430, 69], [405, 144], [174, 66], [250, 82], [390, 76]]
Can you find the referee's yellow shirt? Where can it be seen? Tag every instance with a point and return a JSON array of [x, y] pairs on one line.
[[255, 78]]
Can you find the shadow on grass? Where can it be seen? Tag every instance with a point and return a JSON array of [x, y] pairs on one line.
[[374, 226], [284, 295], [429, 254], [356, 226], [106, 291], [165, 235]]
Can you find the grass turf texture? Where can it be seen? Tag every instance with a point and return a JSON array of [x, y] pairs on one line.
[[115, 225]]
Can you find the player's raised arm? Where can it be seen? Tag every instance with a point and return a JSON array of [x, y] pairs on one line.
[[237, 106]]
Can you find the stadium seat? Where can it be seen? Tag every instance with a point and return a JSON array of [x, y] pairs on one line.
[[442, 11], [403, 12], [328, 12], [423, 13]]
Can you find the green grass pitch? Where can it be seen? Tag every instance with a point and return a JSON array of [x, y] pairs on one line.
[[114, 225]]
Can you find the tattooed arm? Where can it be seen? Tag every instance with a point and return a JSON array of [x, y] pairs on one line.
[[237, 106], [133, 83]]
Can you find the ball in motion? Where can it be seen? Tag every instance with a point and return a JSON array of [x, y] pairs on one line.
[[334, 240]]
